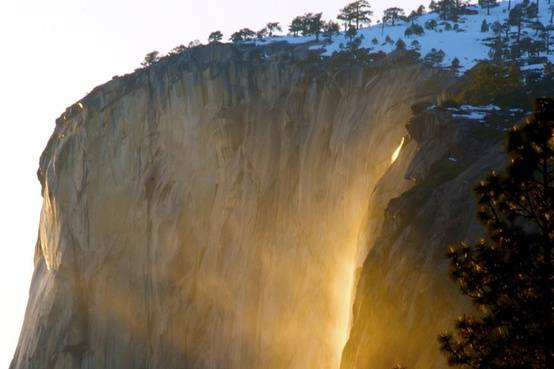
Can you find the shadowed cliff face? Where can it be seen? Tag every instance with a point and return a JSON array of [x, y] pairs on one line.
[[206, 213], [405, 298]]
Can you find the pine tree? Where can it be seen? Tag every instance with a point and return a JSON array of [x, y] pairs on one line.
[[431, 24], [351, 34], [215, 36], [194, 43], [362, 13], [296, 26], [151, 58], [261, 34], [448, 9], [515, 18], [413, 16], [357, 12], [508, 275], [346, 15], [488, 4], [273, 27], [455, 65], [352, 53], [434, 57], [314, 25], [392, 14], [330, 29], [177, 50], [307, 24], [484, 26], [400, 44], [244, 34]]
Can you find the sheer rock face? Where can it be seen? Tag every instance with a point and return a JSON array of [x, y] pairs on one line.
[[206, 213], [404, 298]]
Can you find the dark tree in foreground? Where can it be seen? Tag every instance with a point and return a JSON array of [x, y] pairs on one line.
[[509, 275]]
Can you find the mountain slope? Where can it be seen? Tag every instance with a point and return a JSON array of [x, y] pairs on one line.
[[462, 39]]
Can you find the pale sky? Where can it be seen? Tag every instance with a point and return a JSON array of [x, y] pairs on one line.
[[52, 53]]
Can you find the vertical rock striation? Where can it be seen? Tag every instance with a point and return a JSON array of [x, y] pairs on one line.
[[205, 213]]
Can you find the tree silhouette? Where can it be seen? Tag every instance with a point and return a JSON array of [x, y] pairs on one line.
[[245, 34], [488, 4], [330, 28], [314, 24], [357, 12], [307, 24], [508, 275], [515, 18], [177, 50], [262, 33], [392, 15], [273, 27], [413, 16], [151, 58], [215, 36], [296, 26], [448, 9]]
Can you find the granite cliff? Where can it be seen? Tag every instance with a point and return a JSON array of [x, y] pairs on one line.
[[215, 210]]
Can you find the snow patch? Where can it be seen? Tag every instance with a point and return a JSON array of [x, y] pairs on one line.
[[468, 44]]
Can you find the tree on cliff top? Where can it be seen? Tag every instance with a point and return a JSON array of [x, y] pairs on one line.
[[356, 13], [315, 24], [508, 275], [296, 26], [273, 27], [215, 36], [151, 58], [245, 34], [307, 24], [330, 29]]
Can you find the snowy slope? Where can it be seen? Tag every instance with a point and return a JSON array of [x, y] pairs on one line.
[[467, 44]]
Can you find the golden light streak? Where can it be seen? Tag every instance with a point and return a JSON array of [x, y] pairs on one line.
[[397, 151], [344, 290]]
